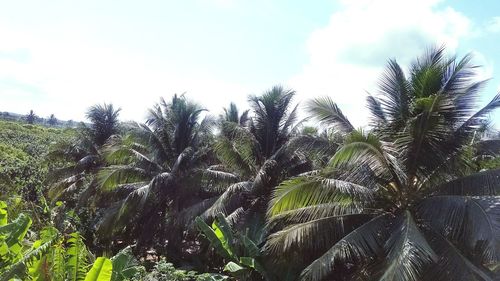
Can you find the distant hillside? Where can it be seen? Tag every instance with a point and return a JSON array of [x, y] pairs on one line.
[[44, 121], [22, 151]]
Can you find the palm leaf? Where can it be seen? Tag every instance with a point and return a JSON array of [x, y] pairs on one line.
[[306, 191], [409, 253], [327, 112], [452, 264], [375, 107], [478, 184], [471, 221], [394, 88], [359, 246], [313, 235], [313, 212], [222, 204], [219, 177], [111, 177]]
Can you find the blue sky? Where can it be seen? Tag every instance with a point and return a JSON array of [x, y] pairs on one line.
[[63, 56]]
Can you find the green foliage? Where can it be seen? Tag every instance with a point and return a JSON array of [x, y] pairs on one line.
[[11, 241], [398, 202], [221, 237], [164, 271], [413, 197], [49, 257], [101, 270], [3, 213], [125, 266], [77, 258], [490, 163], [23, 170]]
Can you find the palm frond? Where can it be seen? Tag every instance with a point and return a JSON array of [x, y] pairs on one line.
[[314, 212], [269, 124], [362, 151], [471, 221], [307, 191], [452, 264], [127, 210], [112, 176], [218, 179], [409, 253], [311, 145], [359, 246], [478, 184], [222, 204], [288, 123], [427, 141], [426, 72], [314, 235], [127, 153], [187, 215], [473, 122], [67, 185], [376, 110], [238, 148], [394, 103], [329, 114], [159, 142], [231, 113], [182, 159]]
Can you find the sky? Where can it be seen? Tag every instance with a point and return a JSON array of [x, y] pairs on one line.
[[60, 57]]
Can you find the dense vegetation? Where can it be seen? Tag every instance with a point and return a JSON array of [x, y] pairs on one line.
[[259, 194]]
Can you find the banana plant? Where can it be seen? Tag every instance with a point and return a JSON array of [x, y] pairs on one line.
[[11, 242], [50, 257], [101, 270], [55, 257], [243, 263], [123, 266]]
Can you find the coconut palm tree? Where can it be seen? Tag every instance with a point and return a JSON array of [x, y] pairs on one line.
[[154, 173], [31, 117], [103, 122], [83, 154], [396, 202], [255, 158], [52, 120], [231, 114]]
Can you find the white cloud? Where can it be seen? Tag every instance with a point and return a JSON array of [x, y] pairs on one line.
[[494, 25], [66, 71], [347, 55]]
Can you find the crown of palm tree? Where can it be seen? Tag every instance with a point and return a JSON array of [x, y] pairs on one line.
[[393, 203], [83, 152], [255, 157], [103, 122], [155, 172]]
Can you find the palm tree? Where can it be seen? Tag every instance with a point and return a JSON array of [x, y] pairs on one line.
[[83, 155], [154, 173], [52, 120], [31, 117], [103, 122], [397, 203], [231, 114], [255, 158]]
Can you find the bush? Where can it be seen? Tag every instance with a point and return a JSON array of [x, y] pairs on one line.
[[165, 271]]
